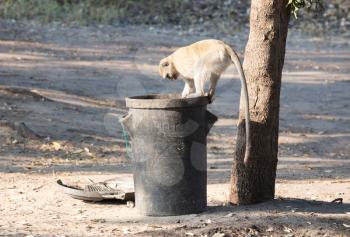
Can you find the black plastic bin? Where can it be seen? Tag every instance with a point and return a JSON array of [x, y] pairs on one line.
[[168, 139]]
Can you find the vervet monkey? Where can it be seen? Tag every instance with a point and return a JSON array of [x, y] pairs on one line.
[[202, 61]]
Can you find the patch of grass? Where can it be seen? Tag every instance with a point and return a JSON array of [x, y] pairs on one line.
[[93, 11]]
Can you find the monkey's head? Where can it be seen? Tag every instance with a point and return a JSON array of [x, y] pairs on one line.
[[167, 69]]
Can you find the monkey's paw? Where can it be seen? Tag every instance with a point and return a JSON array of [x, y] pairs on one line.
[[193, 95]]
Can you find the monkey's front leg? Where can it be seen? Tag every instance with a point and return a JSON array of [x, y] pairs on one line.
[[199, 86], [199, 79], [188, 89]]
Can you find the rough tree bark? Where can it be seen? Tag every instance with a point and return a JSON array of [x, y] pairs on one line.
[[263, 63]]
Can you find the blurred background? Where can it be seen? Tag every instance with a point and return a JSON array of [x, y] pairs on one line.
[[224, 15]]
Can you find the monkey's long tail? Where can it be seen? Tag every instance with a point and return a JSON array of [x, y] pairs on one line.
[[237, 62]]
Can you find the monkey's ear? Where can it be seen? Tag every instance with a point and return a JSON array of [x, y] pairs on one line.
[[165, 64]]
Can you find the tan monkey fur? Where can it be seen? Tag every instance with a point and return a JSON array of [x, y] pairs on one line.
[[205, 61]]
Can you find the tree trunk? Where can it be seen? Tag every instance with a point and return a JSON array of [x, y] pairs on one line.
[[263, 63]]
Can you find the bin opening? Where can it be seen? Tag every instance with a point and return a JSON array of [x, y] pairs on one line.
[[157, 101], [157, 97]]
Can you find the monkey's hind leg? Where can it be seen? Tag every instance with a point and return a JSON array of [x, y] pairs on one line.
[[213, 82]]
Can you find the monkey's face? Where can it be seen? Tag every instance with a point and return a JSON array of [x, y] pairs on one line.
[[167, 69]]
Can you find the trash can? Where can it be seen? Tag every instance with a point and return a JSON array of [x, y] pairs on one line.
[[168, 140]]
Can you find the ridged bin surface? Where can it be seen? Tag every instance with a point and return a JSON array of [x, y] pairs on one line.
[[168, 139]]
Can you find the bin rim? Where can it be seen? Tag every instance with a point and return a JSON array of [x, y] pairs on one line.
[[164, 101]]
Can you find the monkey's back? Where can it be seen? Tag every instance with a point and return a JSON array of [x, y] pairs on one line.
[[185, 58]]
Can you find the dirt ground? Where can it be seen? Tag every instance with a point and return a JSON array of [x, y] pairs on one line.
[[62, 91]]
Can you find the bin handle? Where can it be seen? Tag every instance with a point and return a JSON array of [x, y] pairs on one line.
[[126, 122], [211, 119]]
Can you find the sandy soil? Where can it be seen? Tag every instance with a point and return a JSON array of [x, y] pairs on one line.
[[61, 94]]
